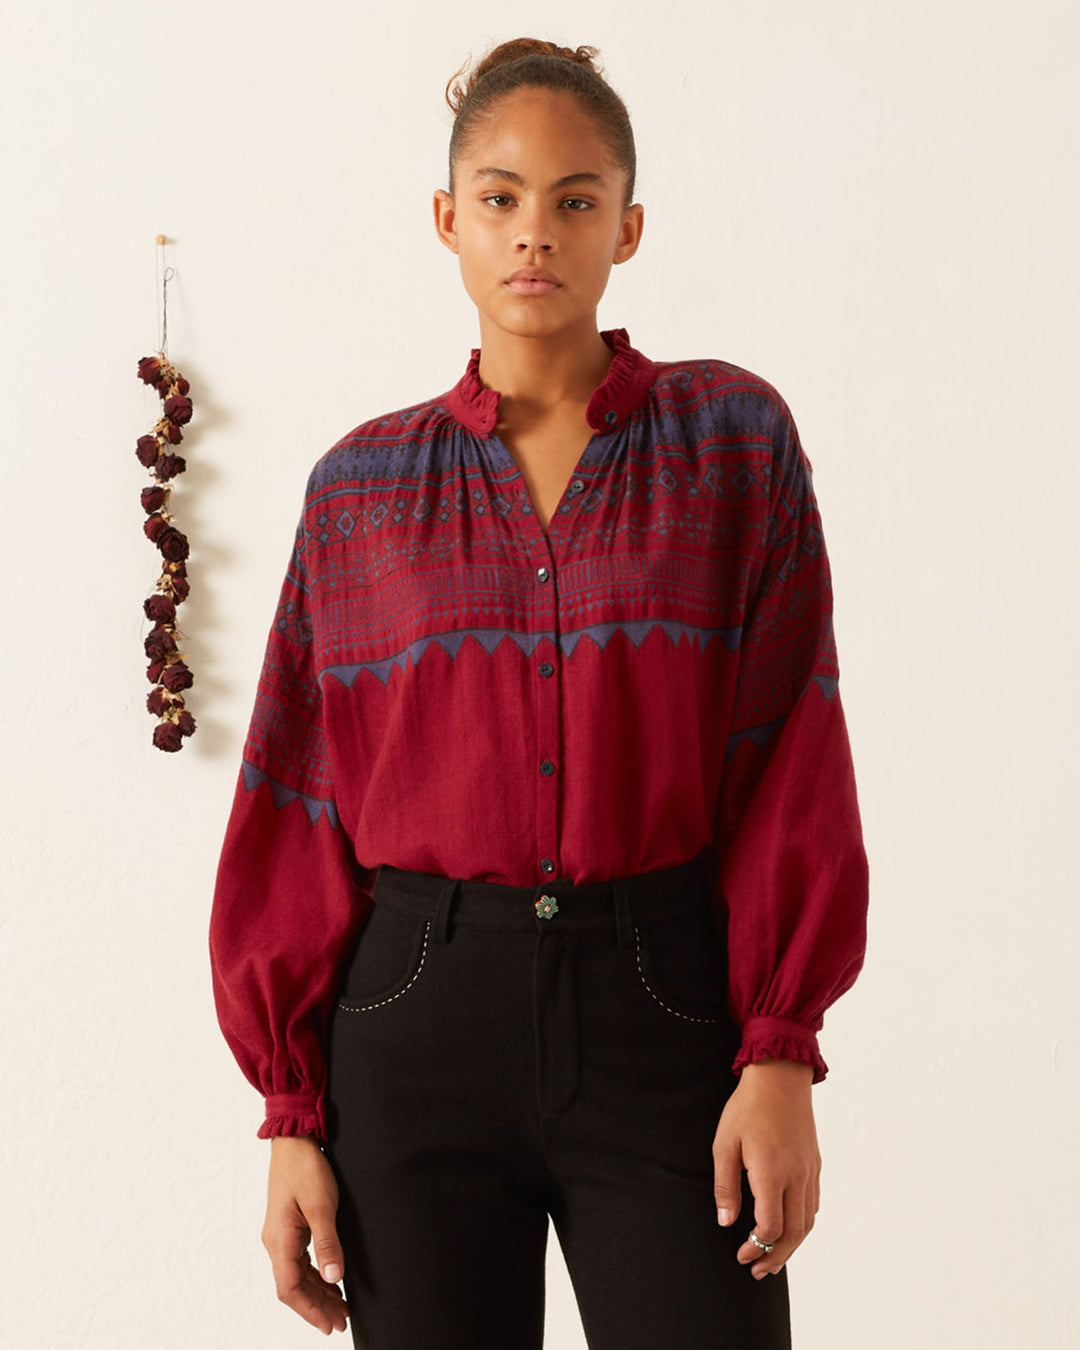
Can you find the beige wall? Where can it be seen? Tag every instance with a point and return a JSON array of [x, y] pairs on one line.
[[873, 206]]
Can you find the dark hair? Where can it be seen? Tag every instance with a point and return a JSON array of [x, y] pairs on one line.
[[525, 62]]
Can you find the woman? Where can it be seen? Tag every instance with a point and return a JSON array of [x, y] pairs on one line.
[[545, 858]]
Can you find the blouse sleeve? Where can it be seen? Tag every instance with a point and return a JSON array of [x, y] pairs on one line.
[[792, 870], [289, 895]]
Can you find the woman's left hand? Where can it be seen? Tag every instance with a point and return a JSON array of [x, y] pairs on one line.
[[767, 1127]]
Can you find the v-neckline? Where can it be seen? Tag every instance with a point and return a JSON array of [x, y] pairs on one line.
[[568, 487], [475, 408]]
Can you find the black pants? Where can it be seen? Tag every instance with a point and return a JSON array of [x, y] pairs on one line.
[[496, 1057]]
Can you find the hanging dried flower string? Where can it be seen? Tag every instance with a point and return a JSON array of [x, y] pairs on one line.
[[167, 672]]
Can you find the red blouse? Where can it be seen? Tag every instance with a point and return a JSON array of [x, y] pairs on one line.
[[447, 687]]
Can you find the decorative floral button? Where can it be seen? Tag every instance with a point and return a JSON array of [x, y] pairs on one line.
[[546, 906]]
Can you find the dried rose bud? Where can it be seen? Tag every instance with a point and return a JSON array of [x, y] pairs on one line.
[[152, 498], [149, 369], [182, 384], [154, 671], [176, 677], [147, 450], [158, 643], [168, 736], [172, 433], [178, 409], [180, 588], [154, 527], [172, 542], [168, 466], [159, 608], [185, 722], [156, 702]]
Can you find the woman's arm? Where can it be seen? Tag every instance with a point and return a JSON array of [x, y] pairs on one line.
[[289, 895], [792, 872]]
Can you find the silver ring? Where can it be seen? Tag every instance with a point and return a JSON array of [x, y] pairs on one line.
[[766, 1247]]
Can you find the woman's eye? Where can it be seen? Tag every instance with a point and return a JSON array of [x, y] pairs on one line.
[[495, 197]]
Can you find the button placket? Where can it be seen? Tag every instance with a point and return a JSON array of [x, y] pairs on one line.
[[547, 723]]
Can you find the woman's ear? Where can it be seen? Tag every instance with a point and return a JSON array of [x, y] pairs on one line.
[[630, 233], [443, 206]]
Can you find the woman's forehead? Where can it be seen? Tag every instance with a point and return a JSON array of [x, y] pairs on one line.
[[520, 132]]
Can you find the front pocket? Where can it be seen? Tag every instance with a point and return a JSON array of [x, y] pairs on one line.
[[386, 961], [682, 964]]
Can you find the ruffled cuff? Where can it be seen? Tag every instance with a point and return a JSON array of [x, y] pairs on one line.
[[296, 1113], [779, 1038]]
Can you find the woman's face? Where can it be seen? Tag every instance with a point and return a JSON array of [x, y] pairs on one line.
[[512, 208]]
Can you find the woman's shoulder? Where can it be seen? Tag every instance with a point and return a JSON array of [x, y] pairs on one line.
[[721, 384], [380, 445], [715, 402]]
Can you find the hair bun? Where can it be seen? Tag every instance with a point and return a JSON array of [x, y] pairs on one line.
[[512, 50]]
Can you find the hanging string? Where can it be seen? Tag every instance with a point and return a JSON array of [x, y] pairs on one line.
[[166, 276]]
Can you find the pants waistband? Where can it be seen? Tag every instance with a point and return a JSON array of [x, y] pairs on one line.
[[595, 906]]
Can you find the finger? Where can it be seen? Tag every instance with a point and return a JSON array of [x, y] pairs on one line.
[[768, 1216], [292, 1285], [798, 1221], [727, 1179], [299, 1286], [314, 1300], [329, 1256], [760, 1262], [794, 1232], [330, 1302]]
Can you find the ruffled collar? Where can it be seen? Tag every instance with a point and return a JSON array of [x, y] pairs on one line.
[[630, 377]]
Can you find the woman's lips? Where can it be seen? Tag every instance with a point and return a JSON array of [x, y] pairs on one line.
[[532, 287]]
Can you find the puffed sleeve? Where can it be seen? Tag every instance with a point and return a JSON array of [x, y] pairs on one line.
[[792, 871], [289, 895]]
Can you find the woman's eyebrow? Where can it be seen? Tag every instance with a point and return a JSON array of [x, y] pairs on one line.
[[490, 172]]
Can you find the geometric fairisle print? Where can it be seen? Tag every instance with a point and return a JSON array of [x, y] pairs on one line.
[[489, 639], [688, 402], [420, 464], [762, 735], [379, 610], [314, 806], [291, 619], [415, 482]]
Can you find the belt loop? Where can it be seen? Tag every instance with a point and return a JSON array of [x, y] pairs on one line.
[[624, 924], [441, 919]]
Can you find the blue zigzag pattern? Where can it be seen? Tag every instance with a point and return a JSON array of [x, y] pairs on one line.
[[489, 638], [762, 735], [314, 806]]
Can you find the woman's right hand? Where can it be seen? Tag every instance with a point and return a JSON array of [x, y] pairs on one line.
[[301, 1207]]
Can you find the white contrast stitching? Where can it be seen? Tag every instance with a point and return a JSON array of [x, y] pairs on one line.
[[366, 1007], [645, 982]]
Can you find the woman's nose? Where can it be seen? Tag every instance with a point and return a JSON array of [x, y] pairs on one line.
[[535, 225]]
